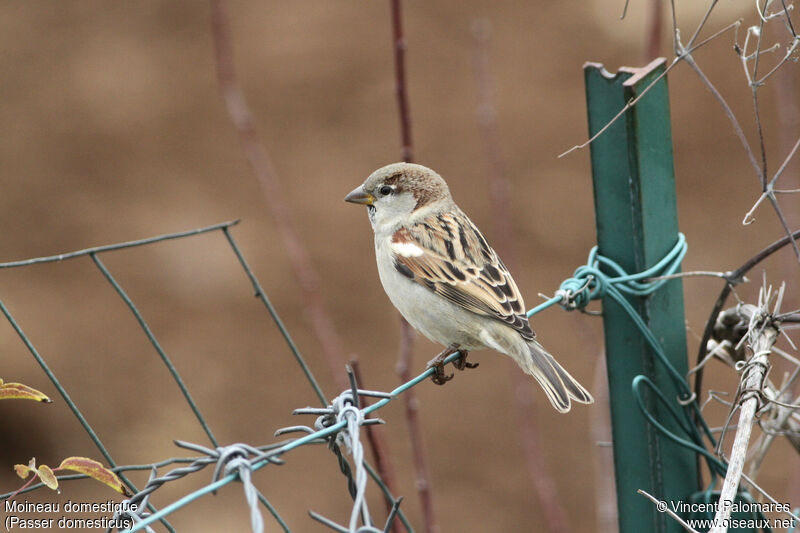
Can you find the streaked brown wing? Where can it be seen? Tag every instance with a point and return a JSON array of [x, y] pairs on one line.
[[449, 255]]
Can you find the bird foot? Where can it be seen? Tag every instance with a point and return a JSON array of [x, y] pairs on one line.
[[461, 363], [437, 363]]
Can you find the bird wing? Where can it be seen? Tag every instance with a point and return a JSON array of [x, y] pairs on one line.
[[447, 254]]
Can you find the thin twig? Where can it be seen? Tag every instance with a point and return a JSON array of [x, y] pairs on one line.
[[406, 333], [401, 88], [788, 121], [755, 84], [629, 104], [754, 87], [276, 201], [411, 405], [737, 128]]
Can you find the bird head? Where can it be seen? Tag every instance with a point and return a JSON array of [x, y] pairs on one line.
[[400, 192]]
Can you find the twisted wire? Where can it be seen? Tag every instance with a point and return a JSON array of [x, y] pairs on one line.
[[339, 423]]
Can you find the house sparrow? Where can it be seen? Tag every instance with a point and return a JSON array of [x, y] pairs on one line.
[[445, 279]]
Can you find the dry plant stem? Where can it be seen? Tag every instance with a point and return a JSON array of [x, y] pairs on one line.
[[401, 87], [785, 163], [755, 84], [259, 161], [544, 486], [769, 192], [406, 333], [754, 87], [411, 405], [789, 117], [379, 447], [737, 128], [753, 379]]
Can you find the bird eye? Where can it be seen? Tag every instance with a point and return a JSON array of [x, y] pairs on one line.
[[385, 190]]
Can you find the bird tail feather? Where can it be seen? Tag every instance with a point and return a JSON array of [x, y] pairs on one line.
[[558, 385]]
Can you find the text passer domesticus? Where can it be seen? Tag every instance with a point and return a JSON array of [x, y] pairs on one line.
[[445, 279]]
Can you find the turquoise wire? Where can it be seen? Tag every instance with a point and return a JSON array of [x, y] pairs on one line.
[[616, 286], [599, 286], [335, 428]]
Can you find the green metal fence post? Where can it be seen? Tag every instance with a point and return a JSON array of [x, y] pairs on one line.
[[637, 224]]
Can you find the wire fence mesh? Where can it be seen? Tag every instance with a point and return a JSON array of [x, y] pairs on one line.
[[773, 403], [337, 424]]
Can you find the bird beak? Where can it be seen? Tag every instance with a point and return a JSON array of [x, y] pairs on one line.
[[358, 196]]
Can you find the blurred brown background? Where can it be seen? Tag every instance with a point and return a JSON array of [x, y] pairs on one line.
[[113, 129]]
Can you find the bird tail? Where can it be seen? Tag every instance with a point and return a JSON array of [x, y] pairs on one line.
[[558, 385]]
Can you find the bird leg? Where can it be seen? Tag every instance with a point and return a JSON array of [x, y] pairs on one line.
[[437, 363]]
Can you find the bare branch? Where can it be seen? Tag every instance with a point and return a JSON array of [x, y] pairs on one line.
[[411, 404], [784, 223], [401, 87], [244, 123], [729, 113], [786, 161], [406, 333]]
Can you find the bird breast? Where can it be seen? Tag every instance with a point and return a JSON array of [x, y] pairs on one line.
[[433, 316]]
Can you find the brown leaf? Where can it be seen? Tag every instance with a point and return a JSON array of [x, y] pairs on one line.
[[94, 470], [23, 470]]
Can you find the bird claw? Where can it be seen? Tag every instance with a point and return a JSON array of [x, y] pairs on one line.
[[461, 363], [439, 377], [437, 363]]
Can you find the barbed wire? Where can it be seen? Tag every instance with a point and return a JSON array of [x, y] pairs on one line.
[[339, 422]]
